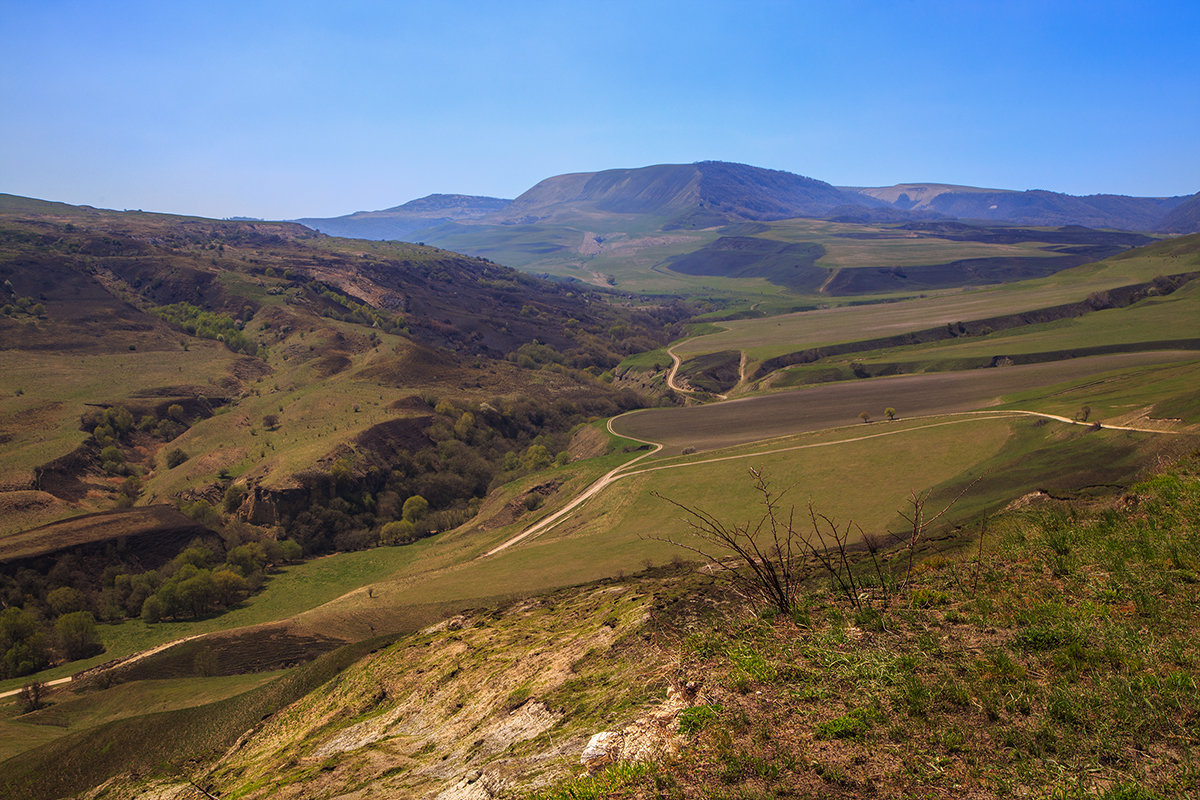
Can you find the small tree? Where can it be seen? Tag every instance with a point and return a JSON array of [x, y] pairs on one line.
[[865, 416], [414, 509], [77, 635], [31, 697], [397, 531], [891, 413], [766, 546]]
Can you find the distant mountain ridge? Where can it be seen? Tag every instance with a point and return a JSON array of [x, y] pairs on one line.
[[1184, 218], [1031, 207], [399, 221], [712, 193], [697, 195]]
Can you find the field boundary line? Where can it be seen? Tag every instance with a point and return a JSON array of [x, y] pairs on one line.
[[625, 471], [132, 658], [790, 448]]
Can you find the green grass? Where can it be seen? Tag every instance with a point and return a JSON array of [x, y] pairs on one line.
[[164, 743], [1157, 391], [1157, 319], [898, 250], [44, 419], [1073, 684], [293, 590], [69, 713], [773, 336]]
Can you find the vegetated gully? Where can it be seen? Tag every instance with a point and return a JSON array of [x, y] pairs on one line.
[[763, 418]]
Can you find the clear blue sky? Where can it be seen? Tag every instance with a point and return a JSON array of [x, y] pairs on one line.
[[287, 109]]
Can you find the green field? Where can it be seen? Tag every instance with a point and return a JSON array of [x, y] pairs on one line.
[[1155, 322], [773, 336], [631, 253], [68, 713], [57, 388]]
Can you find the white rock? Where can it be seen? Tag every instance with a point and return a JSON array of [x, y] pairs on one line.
[[603, 749]]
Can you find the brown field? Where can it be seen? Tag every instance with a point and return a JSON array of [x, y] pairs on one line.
[[159, 522], [736, 422]]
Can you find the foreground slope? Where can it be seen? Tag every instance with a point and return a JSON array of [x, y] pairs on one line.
[[1050, 656]]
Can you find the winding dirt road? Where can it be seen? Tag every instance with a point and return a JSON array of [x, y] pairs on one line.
[[597, 487], [721, 430]]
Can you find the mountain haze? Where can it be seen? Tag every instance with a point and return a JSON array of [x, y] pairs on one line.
[[400, 221], [1184, 218], [709, 194], [1032, 207], [697, 195]]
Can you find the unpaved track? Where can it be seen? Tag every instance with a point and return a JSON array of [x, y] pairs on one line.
[[121, 662], [676, 361], [595, 488], [745, 420], [769, 417]]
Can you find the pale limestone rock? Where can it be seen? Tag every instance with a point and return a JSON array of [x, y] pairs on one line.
[[602, 749], [475, 785]]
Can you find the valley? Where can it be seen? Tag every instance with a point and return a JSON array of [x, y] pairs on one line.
[[282, 456]]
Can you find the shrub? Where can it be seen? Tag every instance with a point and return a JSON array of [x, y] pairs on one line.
[[398, 532], [77, 635]]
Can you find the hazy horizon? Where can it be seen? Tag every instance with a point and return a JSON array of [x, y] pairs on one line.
[[283, 110]]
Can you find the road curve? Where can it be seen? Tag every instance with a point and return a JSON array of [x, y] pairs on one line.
[[768, 417], [595, 488], [743, 420]]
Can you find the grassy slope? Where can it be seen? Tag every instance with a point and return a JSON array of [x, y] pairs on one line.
[[1060, 662], [1056, 658], [327, 381], [631, 251], [68, 713], [772, 336], [1154, 319]]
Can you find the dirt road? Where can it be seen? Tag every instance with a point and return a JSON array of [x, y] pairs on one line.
[[769, 417], [745, 420]]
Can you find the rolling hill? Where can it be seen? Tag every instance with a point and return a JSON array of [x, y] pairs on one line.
[[193, 407], [1184, 218], [400, 222], [1032, 207], [206, 328], [714, 229]]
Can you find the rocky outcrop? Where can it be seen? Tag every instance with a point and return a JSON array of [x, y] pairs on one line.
[[648, 738]]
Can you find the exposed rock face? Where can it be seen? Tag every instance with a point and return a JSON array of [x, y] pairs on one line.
[[475, 785], [602, 749], [648, 737]]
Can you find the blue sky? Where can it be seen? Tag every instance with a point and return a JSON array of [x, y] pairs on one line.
[[282, 110]]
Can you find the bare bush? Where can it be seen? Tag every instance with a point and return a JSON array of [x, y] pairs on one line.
[[767, 559]]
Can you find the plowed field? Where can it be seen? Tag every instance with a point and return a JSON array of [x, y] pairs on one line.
[[736, 422]]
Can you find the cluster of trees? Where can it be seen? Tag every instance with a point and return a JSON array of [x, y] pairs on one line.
[[196, 582], [30, 642], [473, 447], [208, 325], [52, 614], [114, 426], [23, 306], [357, 312]]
